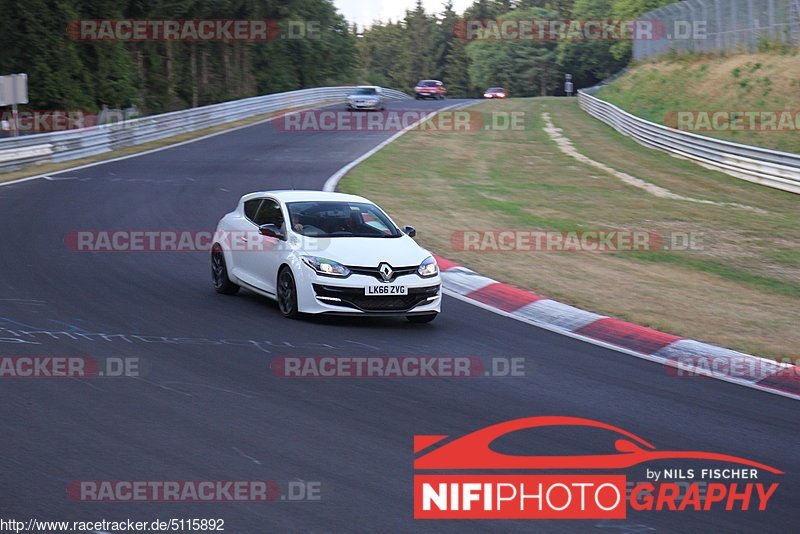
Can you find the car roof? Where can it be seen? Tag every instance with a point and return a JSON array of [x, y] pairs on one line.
[[305, 196]]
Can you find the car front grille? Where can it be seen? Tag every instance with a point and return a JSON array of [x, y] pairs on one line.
[[353, 297], [375, 273]]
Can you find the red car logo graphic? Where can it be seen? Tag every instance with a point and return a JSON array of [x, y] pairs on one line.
[[473, 451]]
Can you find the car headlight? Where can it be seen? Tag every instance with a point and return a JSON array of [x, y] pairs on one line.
[[428, 268], [325, 266]]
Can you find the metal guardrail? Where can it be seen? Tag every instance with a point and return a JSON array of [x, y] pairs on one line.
[[779, 170], [54, 147]]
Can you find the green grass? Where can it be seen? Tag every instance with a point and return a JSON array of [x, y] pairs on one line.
[[789, 257], [758, 82], [741, 289], [723, 270]]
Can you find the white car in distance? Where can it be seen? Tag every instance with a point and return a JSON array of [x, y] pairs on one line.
[[324, 253], [366, 98]]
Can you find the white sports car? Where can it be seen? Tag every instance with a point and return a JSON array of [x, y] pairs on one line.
[[324, 253]]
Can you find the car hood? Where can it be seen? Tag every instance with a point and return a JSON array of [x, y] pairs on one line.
[[364, 97], [364, 251]]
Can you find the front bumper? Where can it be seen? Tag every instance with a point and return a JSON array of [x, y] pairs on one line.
[[349, 298], [345, 296], [372, 104]]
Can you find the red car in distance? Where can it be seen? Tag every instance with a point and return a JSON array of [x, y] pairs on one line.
[[430, 89], [495, 92]]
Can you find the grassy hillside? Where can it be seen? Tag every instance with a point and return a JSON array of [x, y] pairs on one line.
[[749, 83], [739, 288]]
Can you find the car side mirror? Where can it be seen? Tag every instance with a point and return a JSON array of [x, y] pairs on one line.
[[410, 231], [270, 230]]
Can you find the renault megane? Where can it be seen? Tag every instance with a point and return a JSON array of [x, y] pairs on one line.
[[324, 253]]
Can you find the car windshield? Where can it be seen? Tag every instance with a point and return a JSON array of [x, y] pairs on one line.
[[427, 83], [366, 91], [495, 89], [340, 219]]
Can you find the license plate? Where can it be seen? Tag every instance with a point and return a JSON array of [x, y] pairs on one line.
[[384, 290]]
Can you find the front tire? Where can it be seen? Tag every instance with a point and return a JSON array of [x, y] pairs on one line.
[[219, 273], [287, 294], [422, 319]]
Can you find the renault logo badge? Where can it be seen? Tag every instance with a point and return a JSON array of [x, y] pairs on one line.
[[386, 271]]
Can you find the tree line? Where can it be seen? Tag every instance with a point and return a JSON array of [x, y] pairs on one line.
[[435, 45], [158, 76], [66, 73]]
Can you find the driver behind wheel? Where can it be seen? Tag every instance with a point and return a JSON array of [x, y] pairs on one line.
[[296, 225]]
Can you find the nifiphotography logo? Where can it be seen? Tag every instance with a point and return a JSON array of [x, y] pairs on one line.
[[593, 486]]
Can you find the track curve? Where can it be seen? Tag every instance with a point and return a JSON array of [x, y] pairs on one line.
[[211, 409]]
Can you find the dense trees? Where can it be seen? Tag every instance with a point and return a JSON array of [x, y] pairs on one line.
[[398, 53], [524, 67], [590, 61], [165, 75]]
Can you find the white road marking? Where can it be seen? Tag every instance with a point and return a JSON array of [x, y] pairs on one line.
[[243, 455], [332, 182], [565, 145], [48, 176]]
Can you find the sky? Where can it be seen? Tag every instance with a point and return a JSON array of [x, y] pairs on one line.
[[364, 12]]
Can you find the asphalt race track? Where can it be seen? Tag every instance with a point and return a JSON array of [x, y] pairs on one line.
[[211, 409]]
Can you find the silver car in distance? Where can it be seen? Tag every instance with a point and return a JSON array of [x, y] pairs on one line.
[[366, 98]]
